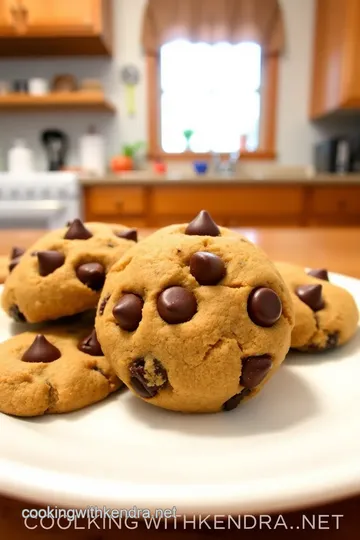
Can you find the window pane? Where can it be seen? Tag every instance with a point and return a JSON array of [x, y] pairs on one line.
[[212, 90]]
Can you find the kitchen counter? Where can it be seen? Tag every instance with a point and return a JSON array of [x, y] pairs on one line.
[[148, 178], [334, 248]]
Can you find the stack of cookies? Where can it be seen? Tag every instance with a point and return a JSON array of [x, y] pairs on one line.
[[195, 318], [56, 284]]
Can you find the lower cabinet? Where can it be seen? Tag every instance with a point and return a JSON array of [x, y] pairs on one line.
[[233, 206]]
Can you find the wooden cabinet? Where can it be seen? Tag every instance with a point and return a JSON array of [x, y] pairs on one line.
[[280, 205], [114, 205], [63, 17], [229, 204], [68, 27], [6, 23], [335, 205], [336, 68]]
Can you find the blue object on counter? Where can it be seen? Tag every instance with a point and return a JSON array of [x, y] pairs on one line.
[[200, 167]]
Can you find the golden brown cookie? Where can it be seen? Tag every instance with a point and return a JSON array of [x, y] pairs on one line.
[[63, 273], [57, 371], [4, 263], [195, 318], [326, 315]]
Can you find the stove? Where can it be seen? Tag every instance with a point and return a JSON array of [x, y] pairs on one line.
[[39, 200]]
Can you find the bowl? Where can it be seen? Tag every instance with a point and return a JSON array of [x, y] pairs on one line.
[[200, 167]]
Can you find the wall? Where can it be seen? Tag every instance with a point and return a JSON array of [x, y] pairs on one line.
[[295, 134]]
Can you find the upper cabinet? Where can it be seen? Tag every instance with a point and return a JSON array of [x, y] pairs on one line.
[[55, 27], [6, 18], [336, 66]]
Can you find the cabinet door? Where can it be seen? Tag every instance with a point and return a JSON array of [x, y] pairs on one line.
[[6, 18], [62, 17]]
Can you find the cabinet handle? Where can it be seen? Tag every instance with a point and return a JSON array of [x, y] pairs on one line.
[[119, 205]]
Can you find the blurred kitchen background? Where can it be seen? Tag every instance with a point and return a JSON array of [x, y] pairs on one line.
[[145, 111]]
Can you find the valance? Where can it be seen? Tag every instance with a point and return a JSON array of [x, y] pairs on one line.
[[213, 21]]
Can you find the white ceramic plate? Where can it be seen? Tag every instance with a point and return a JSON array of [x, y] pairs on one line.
[[296, 444]]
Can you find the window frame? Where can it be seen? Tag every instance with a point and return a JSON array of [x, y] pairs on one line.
[[268, 119]]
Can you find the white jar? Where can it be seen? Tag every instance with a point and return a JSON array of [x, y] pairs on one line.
[[38, 87], [92, 153], [20, 158]]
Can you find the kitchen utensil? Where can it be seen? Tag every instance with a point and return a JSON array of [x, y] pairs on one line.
[[200, 167], [56, 146], [64, 83], [93, 85], [92, 152], [21, 86], [38, 87], [20, 158], [4, 88]]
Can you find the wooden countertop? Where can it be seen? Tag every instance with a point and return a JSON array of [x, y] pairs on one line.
[[148, 178], [334, 248]]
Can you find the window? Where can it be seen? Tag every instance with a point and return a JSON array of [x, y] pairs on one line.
[[220, 92], [212, 71], [213, 93]]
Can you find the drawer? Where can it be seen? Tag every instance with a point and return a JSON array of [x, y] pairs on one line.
[[114, 201], [228, 200], [131, 222], [336, 201]]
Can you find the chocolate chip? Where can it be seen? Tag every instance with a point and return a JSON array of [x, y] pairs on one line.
[[264, 306], [233, 402], [332, 340], [128, 311], [130, 234], [92, 275], [77, 231], [203, 225], [41, 350], [16, 314], [49, 261], [254, 370], [311, 295], [139, 379], [207, 268], [90, 345], [331, 343], [16, 252], [176, 305], [103, 303], [320, 273], [14, 263]]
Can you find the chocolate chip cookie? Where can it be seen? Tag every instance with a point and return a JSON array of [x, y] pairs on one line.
[[326, 315], [4, 263], [195, 318], [57, 371], [63, 273]]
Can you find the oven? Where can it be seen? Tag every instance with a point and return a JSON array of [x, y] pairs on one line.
[[39, 200]]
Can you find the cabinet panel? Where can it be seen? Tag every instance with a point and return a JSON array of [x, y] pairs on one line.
[[336, 202], [114, 202], [63, 16], [55, 27], [228, 201], [336, 70], [6, 17]]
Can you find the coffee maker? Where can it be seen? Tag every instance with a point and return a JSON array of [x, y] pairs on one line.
[[56, 145]]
